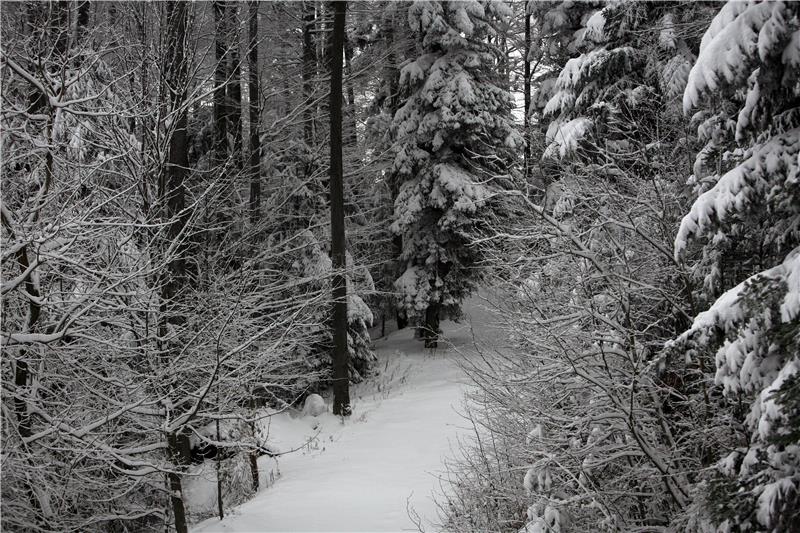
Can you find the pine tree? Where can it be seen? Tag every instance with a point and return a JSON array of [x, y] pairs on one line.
[[454, 151], [745, 81], [615, 71]]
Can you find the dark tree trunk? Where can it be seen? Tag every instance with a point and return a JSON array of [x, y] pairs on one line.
[[22, 372], [58, 22], [144, 127], [177, 164], [322, 34], [253, 459], [255, 119], [179, 453], [309, 71], [60, 26], [401, 318], [36, 20], [83, 21], [233, 89], [255, 156], [341, 357], [176, 168], [526, 131], [24, 362], [113, 21], [21, 366], [220, 82], [431, 327], [220, 506]]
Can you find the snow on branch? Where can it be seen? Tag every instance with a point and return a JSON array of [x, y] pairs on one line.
[[565, 137], [771, 169], [728, 309], [739, 33], [744, 362]]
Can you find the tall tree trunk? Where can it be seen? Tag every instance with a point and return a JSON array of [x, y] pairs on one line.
[[341, 356], [38, 105], [254, 163], [309, 71], [220, 82], [526, 130], [430, 331], [83, 21], [25, 360], [255, 119], [21, 366], [113, 18], [322, 33], [59, 25], [233, 89], [22, 369], [144, 128], [176, 169]]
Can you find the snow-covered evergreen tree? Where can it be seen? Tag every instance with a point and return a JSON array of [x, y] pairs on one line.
[[454, 150], [625, 56], [745, 82]]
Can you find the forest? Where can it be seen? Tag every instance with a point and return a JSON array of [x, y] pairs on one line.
[[222, 218]]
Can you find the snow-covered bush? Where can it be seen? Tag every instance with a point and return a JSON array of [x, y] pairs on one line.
[[128, 321], [575, 430], [571, 428]]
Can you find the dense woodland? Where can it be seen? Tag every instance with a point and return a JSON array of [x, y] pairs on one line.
[[206, 207]]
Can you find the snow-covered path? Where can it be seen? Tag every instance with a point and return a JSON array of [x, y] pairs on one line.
[[365, 474]]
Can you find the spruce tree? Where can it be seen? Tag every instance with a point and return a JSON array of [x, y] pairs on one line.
[[455, 138], [745, 85]]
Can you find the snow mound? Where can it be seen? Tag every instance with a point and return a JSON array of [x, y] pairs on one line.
[[314, 405]]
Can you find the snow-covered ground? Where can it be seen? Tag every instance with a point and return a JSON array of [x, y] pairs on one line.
[[386, 460]]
